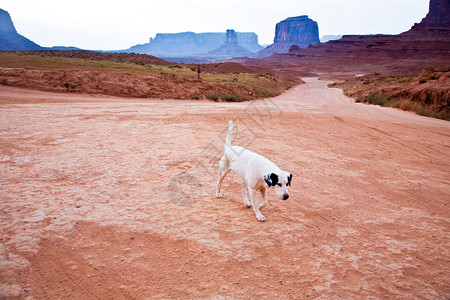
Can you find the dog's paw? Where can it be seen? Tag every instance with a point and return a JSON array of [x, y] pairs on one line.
[[261, 218], [219, 195], [247, 203]]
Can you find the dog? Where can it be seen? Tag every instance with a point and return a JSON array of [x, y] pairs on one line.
[[256, 172]]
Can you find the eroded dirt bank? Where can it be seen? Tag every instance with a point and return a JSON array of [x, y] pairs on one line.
[[90, 187]]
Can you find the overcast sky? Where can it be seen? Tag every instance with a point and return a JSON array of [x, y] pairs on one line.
[[114, 25]]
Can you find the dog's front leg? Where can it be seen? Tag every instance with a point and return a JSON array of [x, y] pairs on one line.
[[255, 205], [244, 193], [264, 197]]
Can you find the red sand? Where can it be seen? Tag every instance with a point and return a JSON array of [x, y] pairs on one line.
[[89, 186]]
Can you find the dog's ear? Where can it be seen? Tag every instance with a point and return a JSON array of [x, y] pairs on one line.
[[271, 179], [289, 180]]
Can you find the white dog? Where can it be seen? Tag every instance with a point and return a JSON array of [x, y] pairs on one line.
[[256, 173]]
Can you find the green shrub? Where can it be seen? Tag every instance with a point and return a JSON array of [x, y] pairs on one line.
[[174, 66], [242, 98], [195, 97], [377, 99], [422, 80], [229, 98], [274, 94], [331, 85], [213, 97], [233, 98]]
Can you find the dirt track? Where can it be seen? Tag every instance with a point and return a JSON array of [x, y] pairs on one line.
[[109, 198]]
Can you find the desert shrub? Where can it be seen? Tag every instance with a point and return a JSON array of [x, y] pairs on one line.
[[274, 94], [434, 76], [405, 104], [193, 69], [377, 99], [70, 86], [233, 98], [332, 85], [395, 104], [242, 98], [213, 97], [177, 66], [195, 97], [422, 80], [424, 111], [229, 98]]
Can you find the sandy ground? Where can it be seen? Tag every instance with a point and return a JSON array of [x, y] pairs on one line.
[[112, 198]]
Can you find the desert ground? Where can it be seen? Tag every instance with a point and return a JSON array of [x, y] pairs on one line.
[[114, 198]]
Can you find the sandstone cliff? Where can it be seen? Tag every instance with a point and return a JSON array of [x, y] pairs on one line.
[[10, 39], [425, 44], [300, 31], [438, 15]]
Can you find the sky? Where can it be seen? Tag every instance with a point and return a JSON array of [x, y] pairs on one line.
[[115, 25]]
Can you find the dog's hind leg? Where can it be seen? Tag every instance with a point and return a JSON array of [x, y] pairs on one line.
[[255, 205], [223, 171], [244, 193]]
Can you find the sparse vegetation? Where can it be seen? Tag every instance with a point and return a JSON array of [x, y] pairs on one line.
[[213, 97], [427, 94], [122, 74]]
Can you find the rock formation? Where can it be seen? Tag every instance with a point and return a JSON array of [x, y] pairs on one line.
[[185, 44], [438, 15], [425, 44], [230, 48], [6, 24], [10, 39], [300, 31]]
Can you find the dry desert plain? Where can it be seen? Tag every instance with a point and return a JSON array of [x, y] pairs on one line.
[[113, 198]]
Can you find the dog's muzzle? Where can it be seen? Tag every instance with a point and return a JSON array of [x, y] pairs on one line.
[[285, 196]]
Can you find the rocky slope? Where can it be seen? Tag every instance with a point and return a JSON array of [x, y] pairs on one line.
[[10, 39]]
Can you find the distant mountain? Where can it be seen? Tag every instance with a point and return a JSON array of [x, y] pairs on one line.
[[230, 48], [62, 48], [326, 38], [191, 44], [10, 39]]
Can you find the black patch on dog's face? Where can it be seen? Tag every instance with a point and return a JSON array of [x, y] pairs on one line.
[[289, 180], [271, 179]]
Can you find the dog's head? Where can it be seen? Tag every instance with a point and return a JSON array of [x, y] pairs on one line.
[[280, 181]]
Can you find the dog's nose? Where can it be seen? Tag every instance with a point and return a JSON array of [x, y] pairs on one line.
[[285, 196]]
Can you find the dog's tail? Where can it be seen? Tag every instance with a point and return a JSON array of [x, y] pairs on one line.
[[230, 131]]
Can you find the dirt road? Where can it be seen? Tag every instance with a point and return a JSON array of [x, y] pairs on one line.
[[113, 198]]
